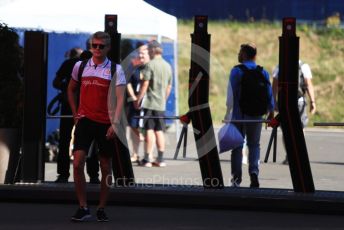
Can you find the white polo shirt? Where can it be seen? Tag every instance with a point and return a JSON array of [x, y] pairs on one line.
[[305, 69], [95, 83]]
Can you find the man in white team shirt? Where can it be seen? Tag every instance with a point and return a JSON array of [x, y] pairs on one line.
[[92, 120], [305, 87]]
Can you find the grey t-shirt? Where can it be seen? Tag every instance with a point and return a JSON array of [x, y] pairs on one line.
[[159, 74]]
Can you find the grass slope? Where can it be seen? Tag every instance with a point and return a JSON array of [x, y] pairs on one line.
[[322, 49]]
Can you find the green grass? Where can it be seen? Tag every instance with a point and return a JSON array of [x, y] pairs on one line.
[[321, 48]]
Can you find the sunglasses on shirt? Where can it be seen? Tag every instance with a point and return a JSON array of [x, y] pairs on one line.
[[99, 46]]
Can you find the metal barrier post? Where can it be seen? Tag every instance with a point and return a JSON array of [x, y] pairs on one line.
[[35, 69], [121, 164], [294, 139], [199, 111]]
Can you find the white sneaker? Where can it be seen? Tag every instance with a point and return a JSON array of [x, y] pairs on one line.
[[244, 159], [134, 159], [244, 155], [159, 164]]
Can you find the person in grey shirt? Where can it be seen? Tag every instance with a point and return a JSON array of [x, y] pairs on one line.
[[154, 92]]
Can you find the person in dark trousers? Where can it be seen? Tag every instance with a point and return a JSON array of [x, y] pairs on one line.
[[63, 75], [252, 131], [92, 120]]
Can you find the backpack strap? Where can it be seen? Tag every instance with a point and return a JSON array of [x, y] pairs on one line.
[[84, 63], [113, 69], [244, 67], [56, 101], [300, 71], [81, 69], [259, 68], [302, 86]]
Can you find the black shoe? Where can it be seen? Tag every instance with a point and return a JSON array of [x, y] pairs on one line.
[[145, 163], [94, 180], [254, 181], [82, 214], [61, 179], [101, 215]]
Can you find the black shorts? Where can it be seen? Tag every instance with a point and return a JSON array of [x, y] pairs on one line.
[[86, 131], [155, 124]]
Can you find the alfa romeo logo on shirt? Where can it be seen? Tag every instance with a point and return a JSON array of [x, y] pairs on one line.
[[107, 71]]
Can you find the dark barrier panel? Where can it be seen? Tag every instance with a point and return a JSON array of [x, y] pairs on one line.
[[199, 110], [294, 139], [35, 75], [121, 164], [111, 28]]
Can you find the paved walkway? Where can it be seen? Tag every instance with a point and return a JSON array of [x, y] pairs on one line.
[[26, 216], [325, 153], [325, 149]]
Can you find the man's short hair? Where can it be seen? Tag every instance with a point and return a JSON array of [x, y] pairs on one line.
[[156, 46], [249, 49], [85, 55], [75, 52], [101, 35], [139, 44]]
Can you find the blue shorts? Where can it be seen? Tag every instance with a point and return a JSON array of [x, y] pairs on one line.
[[133, 122]]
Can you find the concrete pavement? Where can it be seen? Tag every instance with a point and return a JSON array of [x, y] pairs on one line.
[[325, 153], [325, 150], [29, 216]]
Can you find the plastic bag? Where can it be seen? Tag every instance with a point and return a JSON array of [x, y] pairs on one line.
[[229, 137]]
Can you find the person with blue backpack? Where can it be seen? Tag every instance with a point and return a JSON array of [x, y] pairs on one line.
[[249, 97]]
